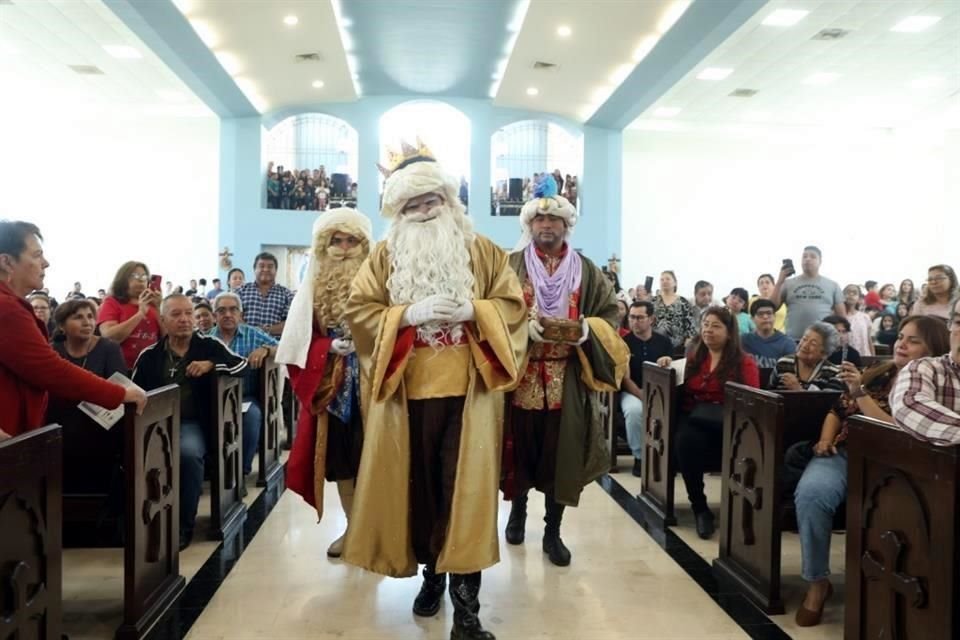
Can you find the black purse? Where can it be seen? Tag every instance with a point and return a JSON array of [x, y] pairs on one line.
[[707, 414]]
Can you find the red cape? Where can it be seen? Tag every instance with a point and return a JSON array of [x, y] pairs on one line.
[[300, 465]]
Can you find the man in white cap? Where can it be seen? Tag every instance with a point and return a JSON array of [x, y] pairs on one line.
[[317, 347], [554, 430], [440, 328]]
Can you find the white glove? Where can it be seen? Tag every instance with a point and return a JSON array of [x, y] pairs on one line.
[[435, 307], [536, 330], [342, 346], [585, 326], [463, 313]]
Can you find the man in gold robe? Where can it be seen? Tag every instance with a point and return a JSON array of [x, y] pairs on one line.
[[555, 437], [322, 361], [440, 328]]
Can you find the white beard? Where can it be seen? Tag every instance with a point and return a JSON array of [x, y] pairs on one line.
[[430, 258]]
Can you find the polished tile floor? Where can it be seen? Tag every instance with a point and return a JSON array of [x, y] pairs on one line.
[[620, 585]]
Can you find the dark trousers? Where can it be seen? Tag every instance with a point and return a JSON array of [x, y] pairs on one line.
[[435, 427], [699, 448], [535, 436]]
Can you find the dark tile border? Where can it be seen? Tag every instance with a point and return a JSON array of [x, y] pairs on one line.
[[748, 617], [185, 611]]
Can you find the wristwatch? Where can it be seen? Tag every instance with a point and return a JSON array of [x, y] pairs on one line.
[[859, 393]]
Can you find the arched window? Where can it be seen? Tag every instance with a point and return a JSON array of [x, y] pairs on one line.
[[311, 162], [443, 128], [521, 151]]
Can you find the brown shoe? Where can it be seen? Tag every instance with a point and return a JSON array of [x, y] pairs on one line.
[[808, 617]]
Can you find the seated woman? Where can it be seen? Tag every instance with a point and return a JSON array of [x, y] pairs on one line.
[[809, 368], [823, 465], [91, 460], [716, 359], [623, 309], [887, 334]]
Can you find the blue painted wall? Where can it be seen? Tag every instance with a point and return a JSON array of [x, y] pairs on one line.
[[245, 226]]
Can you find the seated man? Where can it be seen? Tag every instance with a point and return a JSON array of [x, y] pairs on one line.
[[256, 346], [645, 346], [844, 351], [926, 396], [766, 344], [184, 358]]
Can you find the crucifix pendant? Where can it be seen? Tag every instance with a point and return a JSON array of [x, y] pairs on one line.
[[173, 371]]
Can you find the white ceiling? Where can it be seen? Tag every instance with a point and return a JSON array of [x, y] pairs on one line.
[[876, 69], [592, 61], [260, 49], [39, 39]]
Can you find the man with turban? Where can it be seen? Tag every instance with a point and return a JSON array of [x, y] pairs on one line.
[[554, 432], [440, 327], [322, 361]]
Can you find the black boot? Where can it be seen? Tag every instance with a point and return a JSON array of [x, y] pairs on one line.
[[465, 595], [552, 544], [517, 523], [427, 602]]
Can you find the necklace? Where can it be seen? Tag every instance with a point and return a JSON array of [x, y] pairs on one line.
[[83, 363]]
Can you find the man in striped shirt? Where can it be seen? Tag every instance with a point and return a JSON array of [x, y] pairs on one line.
[[926, 398]]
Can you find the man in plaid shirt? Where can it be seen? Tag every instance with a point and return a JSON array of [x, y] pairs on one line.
[[926, 398], [265, 303]]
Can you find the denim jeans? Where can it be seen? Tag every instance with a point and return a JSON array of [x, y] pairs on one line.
[[252, 424], [632, 408], [193, 447], [822, 488]]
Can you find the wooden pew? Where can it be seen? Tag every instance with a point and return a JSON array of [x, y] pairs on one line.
[[31, 557], [659, 417], [903, 560], [271, 402], [759, 426], [227, 511], [151, 557]]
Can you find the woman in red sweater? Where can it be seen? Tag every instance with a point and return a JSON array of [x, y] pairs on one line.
[[29, 367], [716, 359]]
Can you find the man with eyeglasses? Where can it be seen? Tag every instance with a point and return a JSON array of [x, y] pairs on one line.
[[926, 396], [256, 346], [766, 344], [645, 346]]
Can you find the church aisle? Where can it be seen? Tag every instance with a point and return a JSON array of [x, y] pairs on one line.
[[620, 585]]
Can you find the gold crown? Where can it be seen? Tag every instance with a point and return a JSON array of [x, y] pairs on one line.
[[406, 153]]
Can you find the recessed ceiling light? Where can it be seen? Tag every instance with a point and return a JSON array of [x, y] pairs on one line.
[[785, 17], [930, 82], [821, 78], [646, 46], [317, 84], [205, 32], [291, 20], [620, 74], [532, 91], [564, 31], [714, 73], [914, 24], [122, 51], [666, 112]]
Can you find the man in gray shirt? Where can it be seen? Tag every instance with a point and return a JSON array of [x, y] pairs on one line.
[[809, 296]]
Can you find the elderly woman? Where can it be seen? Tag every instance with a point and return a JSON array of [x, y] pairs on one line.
[[76, 343], [716, 360], [809, 368], [823, 483], [674, 312], [130, 316], [203, 318], [941, 289]]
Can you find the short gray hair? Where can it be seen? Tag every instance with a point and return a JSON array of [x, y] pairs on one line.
[[829, 334], [225, 295], [173, 296]]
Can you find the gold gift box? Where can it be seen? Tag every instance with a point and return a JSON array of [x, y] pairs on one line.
[[560, 330]]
